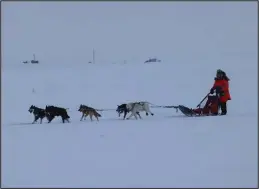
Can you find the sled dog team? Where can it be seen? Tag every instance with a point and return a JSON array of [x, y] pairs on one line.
[[216, 99], [50, 112]]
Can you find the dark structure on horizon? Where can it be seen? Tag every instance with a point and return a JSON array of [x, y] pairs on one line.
[[152, 60]]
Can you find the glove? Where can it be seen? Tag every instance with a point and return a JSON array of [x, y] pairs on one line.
[[218, 90], [211, 91]]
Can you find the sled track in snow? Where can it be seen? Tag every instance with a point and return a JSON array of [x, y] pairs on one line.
[[77, 122], [154, 118]]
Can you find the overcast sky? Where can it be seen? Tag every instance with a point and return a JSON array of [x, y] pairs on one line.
[[68, 31]]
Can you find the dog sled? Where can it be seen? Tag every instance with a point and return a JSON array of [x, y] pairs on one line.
[[209, 106]]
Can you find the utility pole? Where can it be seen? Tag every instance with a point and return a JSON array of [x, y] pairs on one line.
[[93, 56]]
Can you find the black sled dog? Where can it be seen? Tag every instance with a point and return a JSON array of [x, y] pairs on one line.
[[38, 113], [53, 111]]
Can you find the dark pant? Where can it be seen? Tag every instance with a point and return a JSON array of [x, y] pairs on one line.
[[223, 107]]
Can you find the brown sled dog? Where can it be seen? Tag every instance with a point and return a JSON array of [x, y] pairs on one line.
[[88, 111]]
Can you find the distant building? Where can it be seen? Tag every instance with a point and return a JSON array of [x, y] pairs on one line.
[[152, 60]]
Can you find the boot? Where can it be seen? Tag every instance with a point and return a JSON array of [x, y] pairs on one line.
[[223, 107]]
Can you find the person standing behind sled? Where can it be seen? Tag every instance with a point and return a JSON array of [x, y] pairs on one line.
[[221, 86]]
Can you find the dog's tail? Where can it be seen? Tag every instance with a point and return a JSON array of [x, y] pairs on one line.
[[66, 115], [150, 103], [99, 115]]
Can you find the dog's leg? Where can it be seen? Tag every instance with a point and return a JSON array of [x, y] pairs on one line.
[[35, 119], [91, 116], [135, 115], [82, 116], [149, 112], [125, 113], [147, 109], [139, 115], [51, 118], [86, 114], [132, 114], [48, 117], [41, 120], [96, 116], [65, 118]]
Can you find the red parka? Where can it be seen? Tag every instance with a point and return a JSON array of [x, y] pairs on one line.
[[223, 84]]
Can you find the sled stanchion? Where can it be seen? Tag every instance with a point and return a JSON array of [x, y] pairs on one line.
[[202, 100]]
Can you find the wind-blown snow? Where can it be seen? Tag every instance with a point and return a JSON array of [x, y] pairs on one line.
[[166, 150]]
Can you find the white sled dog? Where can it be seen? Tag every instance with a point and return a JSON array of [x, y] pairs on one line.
[[135, 107]]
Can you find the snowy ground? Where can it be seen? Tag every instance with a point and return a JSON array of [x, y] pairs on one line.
[[166, 150], [192, 39]]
